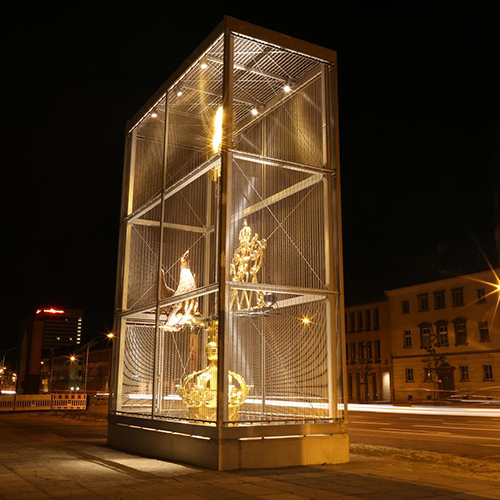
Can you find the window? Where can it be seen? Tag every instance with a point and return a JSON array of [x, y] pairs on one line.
[[439, 302], [487, 372], [481, 296], [425, 335], [369, 351], [423, 302], [347, 352], [407, 338], [427, 374], [368, 320], [360, 321], [464, 373], [460, 332], [353, 352], [377, 351], [376, 324], [442, 330], [405, 307], [457, 296], [484, 332], [409, 374], [361, 350]]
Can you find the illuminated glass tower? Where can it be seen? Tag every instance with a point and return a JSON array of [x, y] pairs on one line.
[[229, 294]]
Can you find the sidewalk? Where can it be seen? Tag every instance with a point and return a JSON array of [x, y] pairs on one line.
[[44, 456]]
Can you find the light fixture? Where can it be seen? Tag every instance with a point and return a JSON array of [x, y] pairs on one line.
[[287, 88], [203, 65], [110, 335], [305, 320], [72, 358], [254, 111], [154, 113], [179, 93]]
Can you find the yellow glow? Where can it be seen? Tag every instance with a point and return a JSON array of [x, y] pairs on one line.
[[254, 112], [305, 320], [110, 335], [217, 140], [72, 358]]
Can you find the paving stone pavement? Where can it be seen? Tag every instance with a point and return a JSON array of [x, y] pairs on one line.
[[45, 456]]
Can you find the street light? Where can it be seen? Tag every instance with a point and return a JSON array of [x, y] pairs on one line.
[[110, 336]]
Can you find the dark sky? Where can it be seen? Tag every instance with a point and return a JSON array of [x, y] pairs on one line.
[[418, 131]]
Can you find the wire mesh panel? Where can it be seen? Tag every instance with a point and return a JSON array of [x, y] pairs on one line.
[[284, 356], [136, 387]]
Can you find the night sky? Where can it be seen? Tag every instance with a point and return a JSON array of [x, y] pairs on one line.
[[418, 135]]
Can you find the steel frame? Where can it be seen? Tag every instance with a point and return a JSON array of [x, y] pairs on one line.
[[327, 174]]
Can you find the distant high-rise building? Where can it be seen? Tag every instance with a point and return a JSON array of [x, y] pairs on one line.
[[47, 330]]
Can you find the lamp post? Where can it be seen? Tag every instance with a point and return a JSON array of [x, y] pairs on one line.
[[108, 336], [5, 354]]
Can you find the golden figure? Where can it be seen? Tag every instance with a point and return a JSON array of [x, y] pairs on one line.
[[198, 390], [182, 313], [246, 263]]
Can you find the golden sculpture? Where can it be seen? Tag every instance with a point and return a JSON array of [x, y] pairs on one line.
[[182, 313], [198, 390], [246, 263]]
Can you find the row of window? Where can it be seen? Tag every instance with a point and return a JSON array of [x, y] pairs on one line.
[[457, 299], [462, 370], [437, 334], [365, 351], [360, 321]]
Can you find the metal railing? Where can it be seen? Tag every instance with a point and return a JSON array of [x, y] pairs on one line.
[[40, 402]]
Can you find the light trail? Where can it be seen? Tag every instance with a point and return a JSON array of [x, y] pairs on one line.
[[426, 410]]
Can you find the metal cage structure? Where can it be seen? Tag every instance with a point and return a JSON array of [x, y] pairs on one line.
[[229, 313]]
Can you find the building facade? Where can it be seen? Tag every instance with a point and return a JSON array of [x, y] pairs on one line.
[[446, 338], [368, 352], [42, 333]]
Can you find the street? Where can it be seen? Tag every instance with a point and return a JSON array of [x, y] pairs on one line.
[[65, 456], [445, 431]]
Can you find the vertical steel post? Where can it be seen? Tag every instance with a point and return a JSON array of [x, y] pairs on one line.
[[225, 227], [158, 343], [123, 264]]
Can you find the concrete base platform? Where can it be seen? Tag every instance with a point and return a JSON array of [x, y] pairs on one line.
[[252, 447]]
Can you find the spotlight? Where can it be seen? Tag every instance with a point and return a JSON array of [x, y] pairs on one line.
[[269, 299]]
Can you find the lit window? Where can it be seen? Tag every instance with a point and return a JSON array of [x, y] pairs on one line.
[[427, 374]]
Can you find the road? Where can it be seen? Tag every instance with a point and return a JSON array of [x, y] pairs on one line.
[[461, 431], [47, 456]]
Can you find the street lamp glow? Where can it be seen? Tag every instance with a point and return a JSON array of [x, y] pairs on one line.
[[110, 335]]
